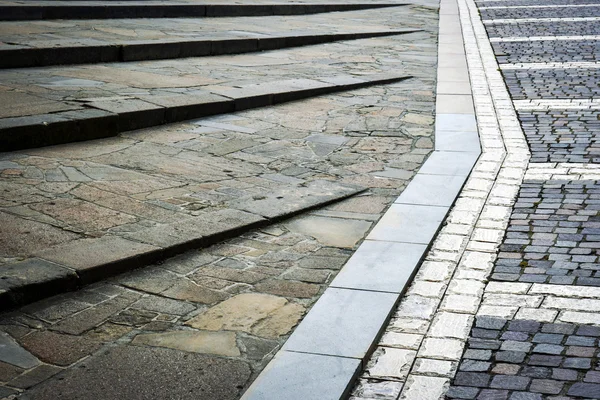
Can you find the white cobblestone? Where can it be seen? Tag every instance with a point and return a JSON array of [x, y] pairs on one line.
[[419, 387], [443, 349], [391, 363], [427, 366], [410, 341], [452, 325], [536, 314]]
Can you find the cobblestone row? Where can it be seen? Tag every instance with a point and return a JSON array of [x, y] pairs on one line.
[[509, 3], [540, 28], [552, 83], [562, 135], [539, 12], [526, 360], [547, 51], [553, 235]]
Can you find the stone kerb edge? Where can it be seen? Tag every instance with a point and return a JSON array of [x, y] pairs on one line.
[[323, 356]]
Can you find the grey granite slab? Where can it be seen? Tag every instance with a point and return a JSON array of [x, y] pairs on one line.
[[449, 163], [12, 353], [343, 323], [455, 103], [300, 376], [455, 122], [380, 266], [457, 141], [432, 190], [409, 223]]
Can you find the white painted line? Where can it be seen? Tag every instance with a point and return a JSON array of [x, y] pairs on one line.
[[543, 38], [552, 65], [560, 104], [538, 20]]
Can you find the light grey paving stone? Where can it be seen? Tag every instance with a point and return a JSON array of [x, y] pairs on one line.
[[453, 88], [449, 163], [12, 353], [454, 104], [300, 376], [453, 74], [343, 323], [432, 190], [455, 122], [381, 266], [467, 141], [409, 223]]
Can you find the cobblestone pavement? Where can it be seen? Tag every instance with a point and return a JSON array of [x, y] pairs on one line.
[[505, 305], [203, 324]]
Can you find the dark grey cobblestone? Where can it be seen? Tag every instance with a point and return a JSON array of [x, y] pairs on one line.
[[530, 376], [547, 51], [562, 135], [527, 29], [515, 13], [553, 236], [573, 83]]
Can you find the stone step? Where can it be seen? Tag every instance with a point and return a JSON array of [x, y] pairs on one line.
[[109, 118], [69, 266], [154, 50], [101, 10]]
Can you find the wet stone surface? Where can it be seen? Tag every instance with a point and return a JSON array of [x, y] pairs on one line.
[[553, 235], [523, 359]]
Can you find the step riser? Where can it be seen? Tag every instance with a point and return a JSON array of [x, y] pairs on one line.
[[42, 131], [157, 51], [16, 13]]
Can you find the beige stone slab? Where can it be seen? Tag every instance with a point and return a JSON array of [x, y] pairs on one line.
[[206, 342]]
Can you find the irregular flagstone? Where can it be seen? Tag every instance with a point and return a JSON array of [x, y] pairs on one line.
[[219, 343], [260, 314], [58, 349], [331, 231], [157, 372], [12, 353]]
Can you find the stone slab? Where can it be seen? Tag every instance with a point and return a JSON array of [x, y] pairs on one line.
[[455, 122], [12, 353], [292, 200], [466, 141], [94, 259], [343, 323], [299, 376], [157, 373], [449, 163], [409, 223], [33, 279], [432, 190], [380, 266]]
